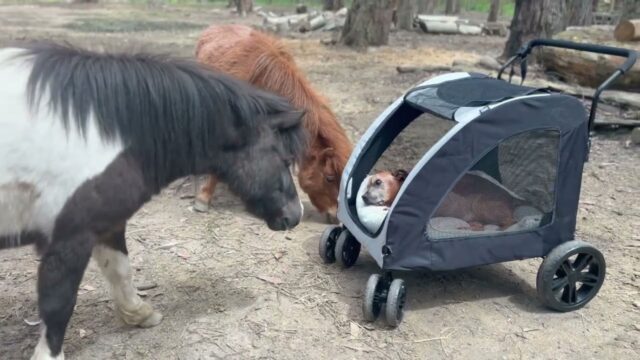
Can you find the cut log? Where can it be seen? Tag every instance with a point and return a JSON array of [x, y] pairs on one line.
[[627, 30], [314, 24], [438, 24], [342, 12], [495, 29], [589, 69]]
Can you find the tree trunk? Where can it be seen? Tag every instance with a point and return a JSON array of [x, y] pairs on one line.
[[405, 14], [493, 11], [426, 7], [456, 6], [534, 19], [449, 7], [630, 9], [579, 13], [368, 23], [333, 5], [244, 7], [594, 5], [85, 1]]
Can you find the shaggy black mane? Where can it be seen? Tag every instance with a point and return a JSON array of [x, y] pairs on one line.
[[167, 110]]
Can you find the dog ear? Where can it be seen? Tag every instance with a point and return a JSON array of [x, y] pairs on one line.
[[400, 175]]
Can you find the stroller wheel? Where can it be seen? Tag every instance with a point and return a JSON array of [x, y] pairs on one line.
[[570, 276], [328, 243], [396, 298], [347, 249], [373, 298]]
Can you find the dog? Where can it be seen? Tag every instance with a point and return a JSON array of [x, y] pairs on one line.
[[383, 187], [474, 199]]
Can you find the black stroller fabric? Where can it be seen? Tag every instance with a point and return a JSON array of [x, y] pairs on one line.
[[408, 246], [445, 99]]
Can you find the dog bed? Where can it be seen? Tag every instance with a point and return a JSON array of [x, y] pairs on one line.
[[372, 217]]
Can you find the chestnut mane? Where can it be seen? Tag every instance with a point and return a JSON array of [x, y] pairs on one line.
[[265, 62]]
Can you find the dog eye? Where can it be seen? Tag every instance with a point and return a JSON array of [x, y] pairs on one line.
[[378, 182]]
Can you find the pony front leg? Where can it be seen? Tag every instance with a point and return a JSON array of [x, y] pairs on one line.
[[203, 198], [112, 257], [59, 274]]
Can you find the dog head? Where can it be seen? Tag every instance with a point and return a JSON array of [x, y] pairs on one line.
[[383, 187]]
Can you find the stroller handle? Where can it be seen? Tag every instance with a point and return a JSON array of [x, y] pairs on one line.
[[631, 56]]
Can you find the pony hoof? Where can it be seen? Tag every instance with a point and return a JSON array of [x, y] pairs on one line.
[[43, 353], [331, 219], [200, 206], [144, 317], [151, 321]]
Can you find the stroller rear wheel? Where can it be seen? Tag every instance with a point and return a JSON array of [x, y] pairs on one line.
[[570, 276]]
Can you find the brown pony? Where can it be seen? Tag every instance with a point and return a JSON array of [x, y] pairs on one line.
[[265, 62]]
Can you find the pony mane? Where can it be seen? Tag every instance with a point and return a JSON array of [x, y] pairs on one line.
[[169, 111], [275, 69]]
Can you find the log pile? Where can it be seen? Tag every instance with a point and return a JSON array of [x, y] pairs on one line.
[[314, 20], [588, 69], [304, 22]]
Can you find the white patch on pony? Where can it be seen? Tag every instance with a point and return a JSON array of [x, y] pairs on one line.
[[116, 269], [41, 164], [42, 351]]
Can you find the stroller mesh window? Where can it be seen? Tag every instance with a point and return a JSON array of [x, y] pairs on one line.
[[511, 188]]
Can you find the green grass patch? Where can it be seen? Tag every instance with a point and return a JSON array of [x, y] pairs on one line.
[[128, 25]]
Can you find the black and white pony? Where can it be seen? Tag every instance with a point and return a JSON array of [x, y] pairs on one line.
[[87, 138]]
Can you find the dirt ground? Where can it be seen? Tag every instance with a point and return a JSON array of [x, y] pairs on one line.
[[230, 288]]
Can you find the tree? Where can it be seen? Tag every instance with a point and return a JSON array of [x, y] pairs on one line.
[[244, 7], [333, 5], [579, 13], [493, 11], [534, 19], [426, 6], [405, 14], [456, 6], [368, 23], [448, 8]]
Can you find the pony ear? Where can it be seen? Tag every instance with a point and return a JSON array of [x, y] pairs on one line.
[[400, 174], [286, 120]]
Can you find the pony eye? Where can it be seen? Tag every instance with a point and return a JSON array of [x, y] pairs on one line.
[[330, 178]]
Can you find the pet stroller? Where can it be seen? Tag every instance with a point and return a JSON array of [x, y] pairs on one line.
[[530, 143]]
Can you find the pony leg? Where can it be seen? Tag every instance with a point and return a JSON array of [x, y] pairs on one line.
[[59, 274], [112, 257], [203, 199]]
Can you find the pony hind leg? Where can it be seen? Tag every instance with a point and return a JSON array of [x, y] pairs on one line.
[[111, 255], [59, 274], [203, 198]]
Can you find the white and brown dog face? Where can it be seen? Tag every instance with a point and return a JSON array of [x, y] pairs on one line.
[[383, 187]]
